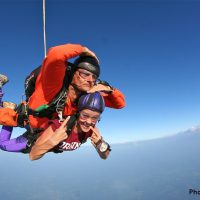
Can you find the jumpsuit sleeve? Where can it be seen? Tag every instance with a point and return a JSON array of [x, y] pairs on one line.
[[51, 76], [54, 67], [115, 99]]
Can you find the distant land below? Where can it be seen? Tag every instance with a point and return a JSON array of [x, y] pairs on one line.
[[165, 168]]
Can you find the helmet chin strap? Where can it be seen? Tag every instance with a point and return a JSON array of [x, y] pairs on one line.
[[77, 91], [76, 88]]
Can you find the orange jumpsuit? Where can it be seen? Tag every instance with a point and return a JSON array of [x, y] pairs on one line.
[[49, 83]]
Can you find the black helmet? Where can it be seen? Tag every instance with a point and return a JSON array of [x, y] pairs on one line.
[[93, 101], [88, 63]]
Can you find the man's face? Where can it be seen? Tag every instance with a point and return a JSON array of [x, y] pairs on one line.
[[84, 80], [87, 118]]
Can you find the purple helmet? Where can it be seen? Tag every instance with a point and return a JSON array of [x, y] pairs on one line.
[[93, 101]]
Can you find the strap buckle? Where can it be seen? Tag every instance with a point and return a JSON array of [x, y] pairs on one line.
[[60, 116], [29, 144]]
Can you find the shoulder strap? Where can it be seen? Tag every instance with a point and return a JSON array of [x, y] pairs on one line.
[[71, 123], [29, 83], [31, 135], [58, 101]]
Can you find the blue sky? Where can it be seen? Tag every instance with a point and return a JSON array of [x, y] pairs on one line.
[[147, 49]]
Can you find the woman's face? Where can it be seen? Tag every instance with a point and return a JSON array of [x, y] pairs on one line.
[[87, 118]]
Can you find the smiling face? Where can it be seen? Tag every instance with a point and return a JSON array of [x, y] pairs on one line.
[[84, 80], [87, 118]]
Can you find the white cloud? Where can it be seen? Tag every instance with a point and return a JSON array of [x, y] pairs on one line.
[[194, 128]]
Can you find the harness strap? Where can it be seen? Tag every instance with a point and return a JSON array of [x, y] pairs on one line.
[[71, 123], [31, 135], [58, 103], [22, 118]]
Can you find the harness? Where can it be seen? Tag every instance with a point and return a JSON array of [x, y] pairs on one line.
[[56, 105], [45, 110]]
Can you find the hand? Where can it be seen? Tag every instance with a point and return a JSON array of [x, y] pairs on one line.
[[10, 105], [60, 133], [95, 137], [87, 52], [101, 88]]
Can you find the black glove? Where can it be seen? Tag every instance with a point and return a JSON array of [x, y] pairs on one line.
[[106, 84]]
